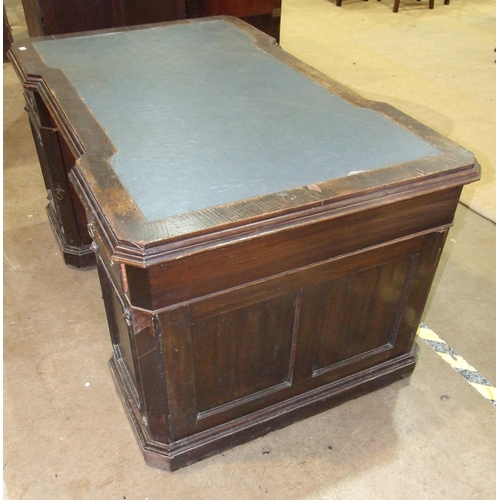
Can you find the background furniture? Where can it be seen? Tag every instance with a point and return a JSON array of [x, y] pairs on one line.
[[431, 4], [7, 36], [53, 17], [248, 279], [397, 2], [396, 5], [338, 3]]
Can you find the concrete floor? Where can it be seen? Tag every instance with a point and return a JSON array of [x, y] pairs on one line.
[[66, 435]]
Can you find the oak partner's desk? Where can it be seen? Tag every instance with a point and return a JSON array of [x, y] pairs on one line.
[[248, 279]]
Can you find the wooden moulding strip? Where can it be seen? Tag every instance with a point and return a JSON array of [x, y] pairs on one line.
[[204, 444], [142, 255]]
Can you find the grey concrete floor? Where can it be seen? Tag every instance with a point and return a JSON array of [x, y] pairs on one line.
[[66, 435]]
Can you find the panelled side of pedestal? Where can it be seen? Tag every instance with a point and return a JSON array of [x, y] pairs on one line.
[[224, 345]]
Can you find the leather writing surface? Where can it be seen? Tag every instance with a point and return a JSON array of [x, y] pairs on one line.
[[200, 117]]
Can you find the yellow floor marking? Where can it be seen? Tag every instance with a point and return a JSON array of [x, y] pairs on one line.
[[456, 361]]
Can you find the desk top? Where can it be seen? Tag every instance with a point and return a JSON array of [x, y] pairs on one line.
[[201, 117], [185, 127]]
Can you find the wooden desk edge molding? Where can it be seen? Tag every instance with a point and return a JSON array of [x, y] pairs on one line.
[[232, 319]]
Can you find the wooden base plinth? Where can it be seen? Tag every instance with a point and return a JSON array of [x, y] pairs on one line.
[[175, 455], [80, 257]]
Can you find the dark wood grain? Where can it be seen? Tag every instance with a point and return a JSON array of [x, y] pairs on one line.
[[56, 17], [173, 281], [265, 15], [258, 363]]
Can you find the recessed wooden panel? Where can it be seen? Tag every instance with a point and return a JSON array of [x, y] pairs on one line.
[[355, 316], [243, 353]]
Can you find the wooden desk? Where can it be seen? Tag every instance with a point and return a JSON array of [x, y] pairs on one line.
[[250, 277]]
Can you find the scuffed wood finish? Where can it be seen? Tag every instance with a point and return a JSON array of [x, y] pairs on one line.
[[234, 320]]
